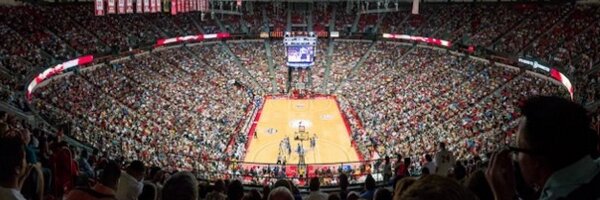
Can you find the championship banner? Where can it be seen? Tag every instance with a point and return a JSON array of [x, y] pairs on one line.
[[152, 6], [186, 6], [139, 6], [99, 7], [121, 4], [158, 6], [180, 6], [203, 5], [146, 6], [173, 7], [129, 6], [111, 7], [415, 7]]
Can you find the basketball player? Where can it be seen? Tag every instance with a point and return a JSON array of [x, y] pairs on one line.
[[279, 159]]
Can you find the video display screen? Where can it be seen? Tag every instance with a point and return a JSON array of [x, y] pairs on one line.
[[300, 54]]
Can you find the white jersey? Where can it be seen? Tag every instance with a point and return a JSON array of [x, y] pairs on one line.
[[444, 161]]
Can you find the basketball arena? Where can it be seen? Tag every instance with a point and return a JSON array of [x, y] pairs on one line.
[[328, 99]]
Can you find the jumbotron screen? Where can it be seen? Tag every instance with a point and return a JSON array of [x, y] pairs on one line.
[[300, 54]]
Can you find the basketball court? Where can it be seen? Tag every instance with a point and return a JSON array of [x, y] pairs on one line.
[[281, 118]]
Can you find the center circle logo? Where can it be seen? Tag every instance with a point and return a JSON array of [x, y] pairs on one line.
[[296, 123], [327, 117], [271, 131]]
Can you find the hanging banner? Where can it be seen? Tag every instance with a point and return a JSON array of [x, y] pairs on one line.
[[121, 7], [146, 6], [99, 7], [129, 6], [203, 5], [180, 6], [415, 7], [111, 7], [152, 6], [186, 5], [158, 6], [173, 7], [139, 6]]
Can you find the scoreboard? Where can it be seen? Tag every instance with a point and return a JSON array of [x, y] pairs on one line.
[[300, 49]]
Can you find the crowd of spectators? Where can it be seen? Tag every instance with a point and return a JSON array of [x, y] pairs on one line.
[[133, 114], [434, 96], [342, 62], [322, 17], [179, 109], [38, 165], [253, 56]]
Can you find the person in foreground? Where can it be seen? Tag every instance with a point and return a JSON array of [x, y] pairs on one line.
[[315, 194], [131, 182], [104, 189], [556, 153], [12, 167], [181, 186]]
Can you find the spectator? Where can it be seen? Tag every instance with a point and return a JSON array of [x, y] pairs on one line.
[[315, 194], [382, 194], [12, 167], [444, 160], [181, 186], [157, 178], [334, 196], [459, 172], [436, 187], [235, 191], [131, 182], [425, 172], [280, 193], [353, 196], [558, 164], [218, 191], [253, 195], [477, 184], [265, 192], [430, 165], [103, 190], [387, 170], [343, 183], [370, 187], [149, 192], [401, 187], [84, 166]]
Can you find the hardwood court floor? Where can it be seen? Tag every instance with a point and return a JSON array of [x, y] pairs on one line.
[[279, 118]]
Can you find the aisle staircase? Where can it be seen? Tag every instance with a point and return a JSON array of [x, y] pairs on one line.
[[328, 61], [355, 68], [241, 67], [271, 64]]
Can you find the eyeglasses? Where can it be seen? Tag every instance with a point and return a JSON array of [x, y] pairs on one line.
[[521, 150], [516, 150]]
